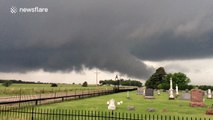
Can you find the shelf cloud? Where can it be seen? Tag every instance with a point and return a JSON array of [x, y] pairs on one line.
[[112, 35]]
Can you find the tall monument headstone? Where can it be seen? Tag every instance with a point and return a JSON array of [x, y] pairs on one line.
[[209, 94], [176, 90], [171, 96]]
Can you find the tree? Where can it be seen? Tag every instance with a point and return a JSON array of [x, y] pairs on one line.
[[7, 83], [161, 80], [156, 79], [54, 85], [85, 84], [177, 78], [181, 79]]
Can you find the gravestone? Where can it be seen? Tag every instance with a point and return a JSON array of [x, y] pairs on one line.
[[171, 96], [140, 91], [112, 105], [209, 112], [130, 107], [176, 90], [197, 98], [209, 94], [127, 95], [149, 93], [205, 93], [186, 96], [151, 110], [158, 92]]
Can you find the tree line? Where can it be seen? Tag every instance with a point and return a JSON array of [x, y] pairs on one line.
[[20, 81], [121, 82]]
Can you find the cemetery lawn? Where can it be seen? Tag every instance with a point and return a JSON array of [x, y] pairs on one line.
[[161, 104]]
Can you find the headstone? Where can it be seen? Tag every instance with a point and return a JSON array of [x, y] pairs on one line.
[[186, 96], [144, 91], [151, 110], [130, 107], [149, 93], [205, 93], [186, 91], [209, 112], [209, 95], [197, 98], [112, 105], [158, 92], [127, 95], [140, 91], [171, 96], [176, 90]]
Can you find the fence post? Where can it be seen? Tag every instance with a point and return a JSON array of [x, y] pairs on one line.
[[32, 113], [19, 98], [66, 92], [75, 93], [36, 102]]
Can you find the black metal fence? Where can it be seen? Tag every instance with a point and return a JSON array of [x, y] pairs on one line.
[[58, 114]]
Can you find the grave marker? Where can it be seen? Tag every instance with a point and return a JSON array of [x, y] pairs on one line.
[[209, 94], [186, 96], [197, 98], [149, 93], [171, 96], [112, 105]]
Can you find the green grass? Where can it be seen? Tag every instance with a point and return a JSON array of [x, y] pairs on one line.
[[160, 103], [27, 89]]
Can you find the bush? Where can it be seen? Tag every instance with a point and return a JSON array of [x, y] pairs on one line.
[[54, 85], [7, 83], [84, 84]]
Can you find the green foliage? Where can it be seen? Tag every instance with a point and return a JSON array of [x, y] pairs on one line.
[[107, 82], [7, 83], [54, 85], [156, 79], [121, 82], [205, 87], [85, 84], [161, 80], [177, 78]]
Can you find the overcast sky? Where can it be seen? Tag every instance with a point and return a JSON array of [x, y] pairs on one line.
[[127, 37]]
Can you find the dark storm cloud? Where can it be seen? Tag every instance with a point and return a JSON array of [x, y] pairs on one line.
[[113, 35]]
